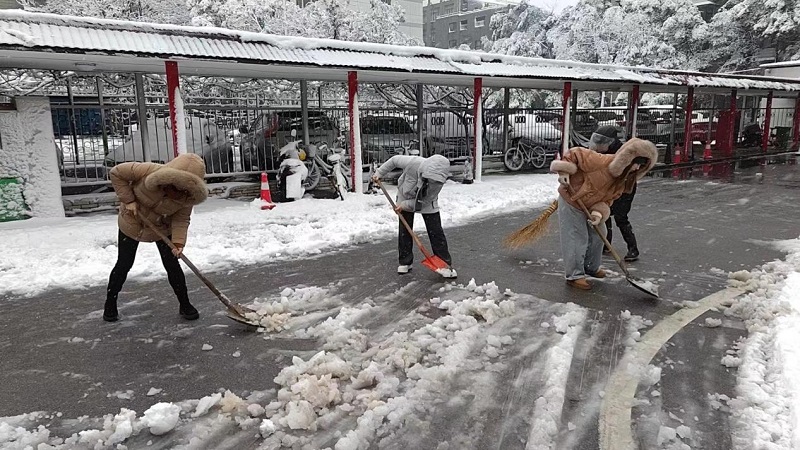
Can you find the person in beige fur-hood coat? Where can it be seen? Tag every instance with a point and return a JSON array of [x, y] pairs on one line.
[[165, 194], [597, 180]]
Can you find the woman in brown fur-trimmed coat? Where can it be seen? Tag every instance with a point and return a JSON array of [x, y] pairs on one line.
[[165, 194], [596, 179]]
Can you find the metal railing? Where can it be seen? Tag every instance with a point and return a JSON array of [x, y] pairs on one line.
[[239, 136]]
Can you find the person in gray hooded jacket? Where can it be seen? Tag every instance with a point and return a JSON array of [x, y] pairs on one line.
[[418, 192]]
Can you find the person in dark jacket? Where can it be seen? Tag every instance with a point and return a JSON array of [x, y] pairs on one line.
[[418, 192], [605, 140]]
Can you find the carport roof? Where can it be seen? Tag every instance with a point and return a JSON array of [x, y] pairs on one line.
[[46, 41]]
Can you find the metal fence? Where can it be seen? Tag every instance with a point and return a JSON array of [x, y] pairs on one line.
[[241, 136]]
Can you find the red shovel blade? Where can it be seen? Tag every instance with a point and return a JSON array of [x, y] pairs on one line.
[[435, 263]]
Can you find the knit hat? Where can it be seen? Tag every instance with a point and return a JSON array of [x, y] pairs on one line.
[[609, 131]]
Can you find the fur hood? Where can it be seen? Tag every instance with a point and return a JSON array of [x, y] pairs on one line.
[[631, 150], [186, 173]]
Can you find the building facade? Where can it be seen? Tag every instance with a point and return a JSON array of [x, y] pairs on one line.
[[453, 23], [9, 4]]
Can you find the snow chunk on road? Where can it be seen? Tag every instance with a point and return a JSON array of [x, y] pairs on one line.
[[161, 418], [206, 403]]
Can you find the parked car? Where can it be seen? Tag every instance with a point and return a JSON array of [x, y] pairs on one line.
[[537, 128], [446, 133], [202, 138], [385, 136], [272, 130], [701, 122]]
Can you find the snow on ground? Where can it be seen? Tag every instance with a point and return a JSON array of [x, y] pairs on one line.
[[766, 410], [42, 254], [430, 377]]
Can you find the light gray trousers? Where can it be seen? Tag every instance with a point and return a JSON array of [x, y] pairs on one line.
[[581, 247]]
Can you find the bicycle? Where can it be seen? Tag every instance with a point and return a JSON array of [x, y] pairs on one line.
[[333, 169], [525, 152]]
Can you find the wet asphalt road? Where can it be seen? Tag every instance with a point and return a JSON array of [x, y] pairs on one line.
[[58, 355]]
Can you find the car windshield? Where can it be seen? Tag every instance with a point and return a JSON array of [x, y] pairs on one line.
[[385, 125]]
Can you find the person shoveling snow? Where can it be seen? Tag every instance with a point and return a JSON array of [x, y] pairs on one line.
[[418, 191]]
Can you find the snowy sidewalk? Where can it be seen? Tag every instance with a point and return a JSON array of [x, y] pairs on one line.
[[42, 254]]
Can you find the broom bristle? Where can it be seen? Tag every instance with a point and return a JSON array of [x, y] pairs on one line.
[[531, 232]]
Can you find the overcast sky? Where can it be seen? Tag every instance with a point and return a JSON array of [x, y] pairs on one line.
[[556, 5]]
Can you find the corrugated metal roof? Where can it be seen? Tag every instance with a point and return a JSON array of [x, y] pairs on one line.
[[34, 32]]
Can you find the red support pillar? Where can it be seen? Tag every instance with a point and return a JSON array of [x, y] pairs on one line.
[[633, 111], [565, 125], [477, 154], [796, 125], [356, 173], [732, 135], [687, 126], [176, 115], [767, 120]]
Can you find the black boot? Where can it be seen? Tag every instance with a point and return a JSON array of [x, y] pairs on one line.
[[630, 239], [188, 311], [110, 313]]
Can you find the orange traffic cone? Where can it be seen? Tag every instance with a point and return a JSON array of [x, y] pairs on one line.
[[266, 196]]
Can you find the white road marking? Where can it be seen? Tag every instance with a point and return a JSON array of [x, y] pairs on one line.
[[615, 415]]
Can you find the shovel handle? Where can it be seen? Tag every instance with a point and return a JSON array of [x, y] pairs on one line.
[[222, 297], [614, 253], [403, 219]]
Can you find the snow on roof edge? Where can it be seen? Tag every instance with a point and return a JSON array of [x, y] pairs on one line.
[[628, 73]]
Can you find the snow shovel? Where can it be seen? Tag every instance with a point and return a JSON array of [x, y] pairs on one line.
[[647, 287], [432, 262], [235, 311]]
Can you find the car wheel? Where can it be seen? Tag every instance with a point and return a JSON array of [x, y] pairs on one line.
[[514, 159]]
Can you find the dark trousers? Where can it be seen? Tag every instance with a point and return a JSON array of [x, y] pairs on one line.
[[127, 247], [619, 211], [405, 243]]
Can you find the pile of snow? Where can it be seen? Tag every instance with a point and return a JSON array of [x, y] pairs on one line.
[[366, 387], [767, 406]]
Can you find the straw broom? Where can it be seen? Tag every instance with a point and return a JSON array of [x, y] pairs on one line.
[[531, 232]]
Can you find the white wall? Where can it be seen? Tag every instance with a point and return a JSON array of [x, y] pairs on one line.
[[29, 153]]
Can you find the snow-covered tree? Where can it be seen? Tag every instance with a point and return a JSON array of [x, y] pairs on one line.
[[658, 33], [732, 43], [774, 20], [521, 31], [161, 11]]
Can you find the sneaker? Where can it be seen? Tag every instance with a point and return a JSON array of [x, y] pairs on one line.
[[601, 273], [633, 255], [110, 313], [580, 283], [189, 312], [403, 269]]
